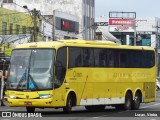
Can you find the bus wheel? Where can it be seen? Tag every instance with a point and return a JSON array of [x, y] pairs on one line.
[[136, 101], [128, 101], [30, 109], [69, 104]]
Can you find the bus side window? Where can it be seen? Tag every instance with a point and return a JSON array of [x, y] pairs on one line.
[[110, 58], [60, 67], [97, 57], [75, 57], [122, 59], [103, 58], [88, 57]]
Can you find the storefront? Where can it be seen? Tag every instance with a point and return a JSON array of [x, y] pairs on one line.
[[142, 33]]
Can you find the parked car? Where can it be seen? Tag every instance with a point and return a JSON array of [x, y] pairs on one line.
[[157, 84]]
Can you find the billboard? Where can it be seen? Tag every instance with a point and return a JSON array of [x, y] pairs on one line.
[[67, 25]]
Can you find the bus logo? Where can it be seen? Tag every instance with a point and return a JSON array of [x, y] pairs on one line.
[[27, 96]]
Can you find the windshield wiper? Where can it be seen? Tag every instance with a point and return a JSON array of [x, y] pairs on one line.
[[23, 78]]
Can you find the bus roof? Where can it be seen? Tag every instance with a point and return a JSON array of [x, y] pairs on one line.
[[81, 43]]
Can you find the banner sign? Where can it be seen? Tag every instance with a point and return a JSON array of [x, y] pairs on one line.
[[128, 22], [119, 28]]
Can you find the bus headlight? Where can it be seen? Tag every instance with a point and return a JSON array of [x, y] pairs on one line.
[[12, 97], [45, 96]]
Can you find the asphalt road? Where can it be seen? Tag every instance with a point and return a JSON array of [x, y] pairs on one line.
[[149, 111]]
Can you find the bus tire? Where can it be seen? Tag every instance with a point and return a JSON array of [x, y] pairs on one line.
[[136, 101], [128, 101], [30, 109], [69, 104]]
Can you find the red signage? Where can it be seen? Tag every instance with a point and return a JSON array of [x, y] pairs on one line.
[[128, 22], [122, 28], [67, 25]]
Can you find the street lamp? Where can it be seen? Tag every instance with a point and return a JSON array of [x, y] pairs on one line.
[[44, 25], [33, 13]]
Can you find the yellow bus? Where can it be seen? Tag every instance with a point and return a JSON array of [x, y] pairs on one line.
[[94, 74]]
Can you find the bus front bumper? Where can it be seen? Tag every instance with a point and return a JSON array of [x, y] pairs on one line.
[[30, 102]]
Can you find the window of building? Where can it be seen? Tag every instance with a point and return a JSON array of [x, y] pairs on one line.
[[11, 29], [23, 29], [84, 21], [10, 1], [146, 40], [17, 29], [30, 30], [4, 28], [7, 1], [67, 37], [98, 35]]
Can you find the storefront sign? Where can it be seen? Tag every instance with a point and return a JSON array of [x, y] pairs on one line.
[[128, 22], [120, 28]]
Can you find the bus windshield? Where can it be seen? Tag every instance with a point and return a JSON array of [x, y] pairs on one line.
[[31, 69]]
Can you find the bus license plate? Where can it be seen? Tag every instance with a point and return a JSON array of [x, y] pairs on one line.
[[28, 103]]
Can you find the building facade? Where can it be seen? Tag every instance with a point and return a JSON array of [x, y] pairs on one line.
[[143, 33], [14, 26], [83, 9]]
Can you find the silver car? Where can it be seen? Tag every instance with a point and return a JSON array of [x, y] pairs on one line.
[[157, 84]]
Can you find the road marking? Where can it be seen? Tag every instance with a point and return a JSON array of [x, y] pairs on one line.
[[109, 114], [8, 110]]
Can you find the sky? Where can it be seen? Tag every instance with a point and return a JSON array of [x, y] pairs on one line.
[[143, 8]]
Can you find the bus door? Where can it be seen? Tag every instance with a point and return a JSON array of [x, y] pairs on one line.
[[60, 72]]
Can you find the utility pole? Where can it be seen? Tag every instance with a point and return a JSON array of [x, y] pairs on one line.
[[35, 32], [135, 40], [95, 27], [34, 14], [53, 26], [157, 46]]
